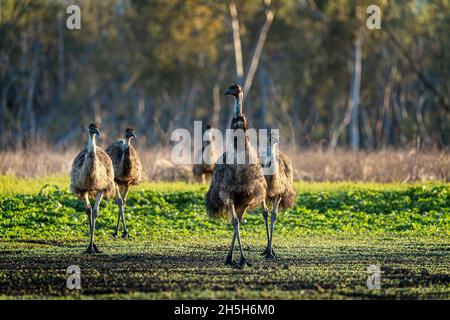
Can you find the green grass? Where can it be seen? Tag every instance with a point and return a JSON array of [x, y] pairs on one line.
[[12, 185], [324, 244]]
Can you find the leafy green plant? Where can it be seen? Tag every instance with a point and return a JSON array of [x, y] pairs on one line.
[[55, 213]]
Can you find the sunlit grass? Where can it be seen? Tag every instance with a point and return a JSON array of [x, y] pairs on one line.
[[11, 185], [325, 243]]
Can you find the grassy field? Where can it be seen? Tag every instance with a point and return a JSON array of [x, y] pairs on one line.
[[325, 244]]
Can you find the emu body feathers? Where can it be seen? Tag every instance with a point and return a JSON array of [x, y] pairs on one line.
[[91, 173]]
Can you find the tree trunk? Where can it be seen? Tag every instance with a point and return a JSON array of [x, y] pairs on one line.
[[258, 50], [215, 119], [370, 142], [31, 90], [263, 88], [237, 43], [355, 96], [61, 68]]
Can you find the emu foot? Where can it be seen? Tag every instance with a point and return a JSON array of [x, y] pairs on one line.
[[116, 233], [90, 249], [96, 249], [269, 255], [125, 235], [229, 261], [244, 263]]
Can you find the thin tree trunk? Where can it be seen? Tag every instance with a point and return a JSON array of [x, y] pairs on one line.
[[385, 107], [337, 132], [258, 50], [215, 119], [355, 96], [237, 43], [61, 68], [387, 127], [31, 89], [370, 143], [418, 109], [263, 88]]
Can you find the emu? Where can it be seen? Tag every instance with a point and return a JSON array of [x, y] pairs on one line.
[[204, 170], [236, 187], [280, 190], [127, 172], [92, 175]]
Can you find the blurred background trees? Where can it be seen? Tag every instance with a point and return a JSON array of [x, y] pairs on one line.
[[161, 64]]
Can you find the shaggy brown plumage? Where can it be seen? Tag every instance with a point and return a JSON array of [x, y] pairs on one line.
[[242, 185], [127, 172], [279, 176], [236, 187], [281, 183], [92, 175], [127, 164]]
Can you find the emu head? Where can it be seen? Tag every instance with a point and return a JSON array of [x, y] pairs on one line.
[[93, 129], [129, 133], [234, 90]]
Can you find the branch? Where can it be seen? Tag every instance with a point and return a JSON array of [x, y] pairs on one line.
[[442, 98], [257, 51]]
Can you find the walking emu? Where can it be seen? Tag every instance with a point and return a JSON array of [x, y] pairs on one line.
[[92, 175], [236, 187], [127, 172], [280, 190], [205, 169]]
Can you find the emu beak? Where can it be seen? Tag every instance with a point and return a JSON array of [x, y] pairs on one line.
[[97, 132], [227, 93], [133, 134]]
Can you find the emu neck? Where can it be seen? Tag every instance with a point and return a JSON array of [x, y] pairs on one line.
[[126, 148], [272, 149], [273, 155], [91, 145], [126, 144], [238, 103], [237, 145]]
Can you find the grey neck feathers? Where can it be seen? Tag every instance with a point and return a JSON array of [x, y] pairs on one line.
[[91, 144], [273, 154], [238, 104], [126, 146], [127, 143], [268, 151]]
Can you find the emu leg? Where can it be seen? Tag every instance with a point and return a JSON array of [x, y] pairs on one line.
[[265, 214], [92, 248], [229, 260], [123, 196], [235, 221], [119, 203], [88, 209], [273, 217]]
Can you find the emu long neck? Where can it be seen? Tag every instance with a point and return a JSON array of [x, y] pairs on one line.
[[126, 148], [238, 103], [273, 155], [272, 149], [91, 145]]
